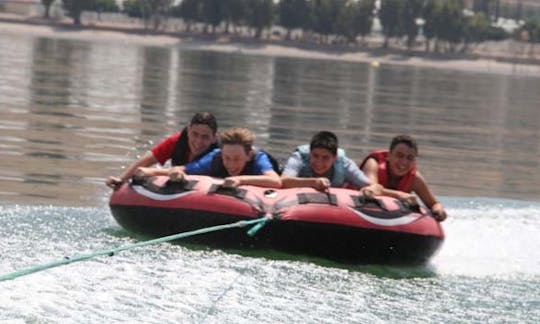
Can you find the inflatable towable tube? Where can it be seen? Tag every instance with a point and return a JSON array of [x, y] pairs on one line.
[[340, 225]]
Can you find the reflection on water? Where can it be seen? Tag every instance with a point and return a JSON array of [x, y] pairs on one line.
[[72, 113]]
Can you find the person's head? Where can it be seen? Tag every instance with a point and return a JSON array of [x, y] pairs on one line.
[[236, 149], [323, 152], [402, 155], [201, 132]]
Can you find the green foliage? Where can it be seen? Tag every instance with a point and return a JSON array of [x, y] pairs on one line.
[[532, 30], [189, 10], [213, 12], [410, 11], [325, 15], [496, 33], [133, 8], [105, 6], [154, 10], [260, 15], [431, 13], [444, 20], [75, 8], [355, 18], [293, 13], [452, 21], [235, 11], [390, 18]]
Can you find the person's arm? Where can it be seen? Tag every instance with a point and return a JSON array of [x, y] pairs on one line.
[[354, 175], [290, 178], [421, 188], [268, 179], [320, 184], [158, 154], [371, 170], [202, 166], [147, 160]]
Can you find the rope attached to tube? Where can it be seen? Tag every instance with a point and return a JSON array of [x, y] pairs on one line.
[[67, 260]]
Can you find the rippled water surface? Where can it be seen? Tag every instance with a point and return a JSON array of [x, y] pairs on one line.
[[73, 112]]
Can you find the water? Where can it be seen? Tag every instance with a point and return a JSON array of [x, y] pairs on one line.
[[73, 112]]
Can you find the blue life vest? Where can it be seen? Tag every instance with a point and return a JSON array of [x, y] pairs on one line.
[[338, 169]]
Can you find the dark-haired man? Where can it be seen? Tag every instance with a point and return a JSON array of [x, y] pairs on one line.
[[188, 145], [396, 171], [322, 164]]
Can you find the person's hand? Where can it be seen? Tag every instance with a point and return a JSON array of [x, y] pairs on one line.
[[176, 174], [321, 184], [113, 182], [231, 182], [408, 199], [371, 190], [143, 172], [439, 213]]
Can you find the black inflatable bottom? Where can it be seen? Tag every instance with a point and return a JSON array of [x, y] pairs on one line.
[[334, 242]]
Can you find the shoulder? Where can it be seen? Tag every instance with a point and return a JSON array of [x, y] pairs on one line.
[[176, 136], [209, 157], [370, 163], [214, 152], [295, 156], [347, 162]]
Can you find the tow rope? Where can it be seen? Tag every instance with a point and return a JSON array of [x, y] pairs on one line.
[[259, 222]]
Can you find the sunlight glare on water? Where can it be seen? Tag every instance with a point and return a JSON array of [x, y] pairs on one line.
[[491, 237]]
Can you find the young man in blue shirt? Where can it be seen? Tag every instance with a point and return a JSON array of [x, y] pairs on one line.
[[236, 161]]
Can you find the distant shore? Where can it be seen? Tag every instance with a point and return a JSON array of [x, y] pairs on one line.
[[489, 62]]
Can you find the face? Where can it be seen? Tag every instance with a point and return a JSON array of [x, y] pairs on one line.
[[321, 160], [401, 159], [234, 158], [200, 138]]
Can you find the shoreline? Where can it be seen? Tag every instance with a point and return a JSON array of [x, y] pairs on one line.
[[38, 27]]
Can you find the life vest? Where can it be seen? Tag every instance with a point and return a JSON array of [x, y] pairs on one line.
[[218, 170], [404, 184], [180, 154], [338, 168]]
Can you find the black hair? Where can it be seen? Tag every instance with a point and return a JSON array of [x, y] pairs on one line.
[[326, 140], [404, 139], [205, 118]]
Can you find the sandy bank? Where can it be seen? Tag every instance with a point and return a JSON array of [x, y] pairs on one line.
[[375, 56]]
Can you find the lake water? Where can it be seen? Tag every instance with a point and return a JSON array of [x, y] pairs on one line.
[[74, 112]]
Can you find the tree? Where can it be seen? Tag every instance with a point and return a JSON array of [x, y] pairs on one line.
[[133, 8], [411, 10], [355, 18], [235, 13], [364, 17], [75, 8], [106, 6], [189, 10], [430, 15], [475, 29], [293, 14], [47, 4], [325, 16], [451, 22], [389, 15], [260, 15], [530, 32], [212, 13]]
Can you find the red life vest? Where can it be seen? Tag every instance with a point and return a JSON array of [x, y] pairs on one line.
[[404, 184]]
